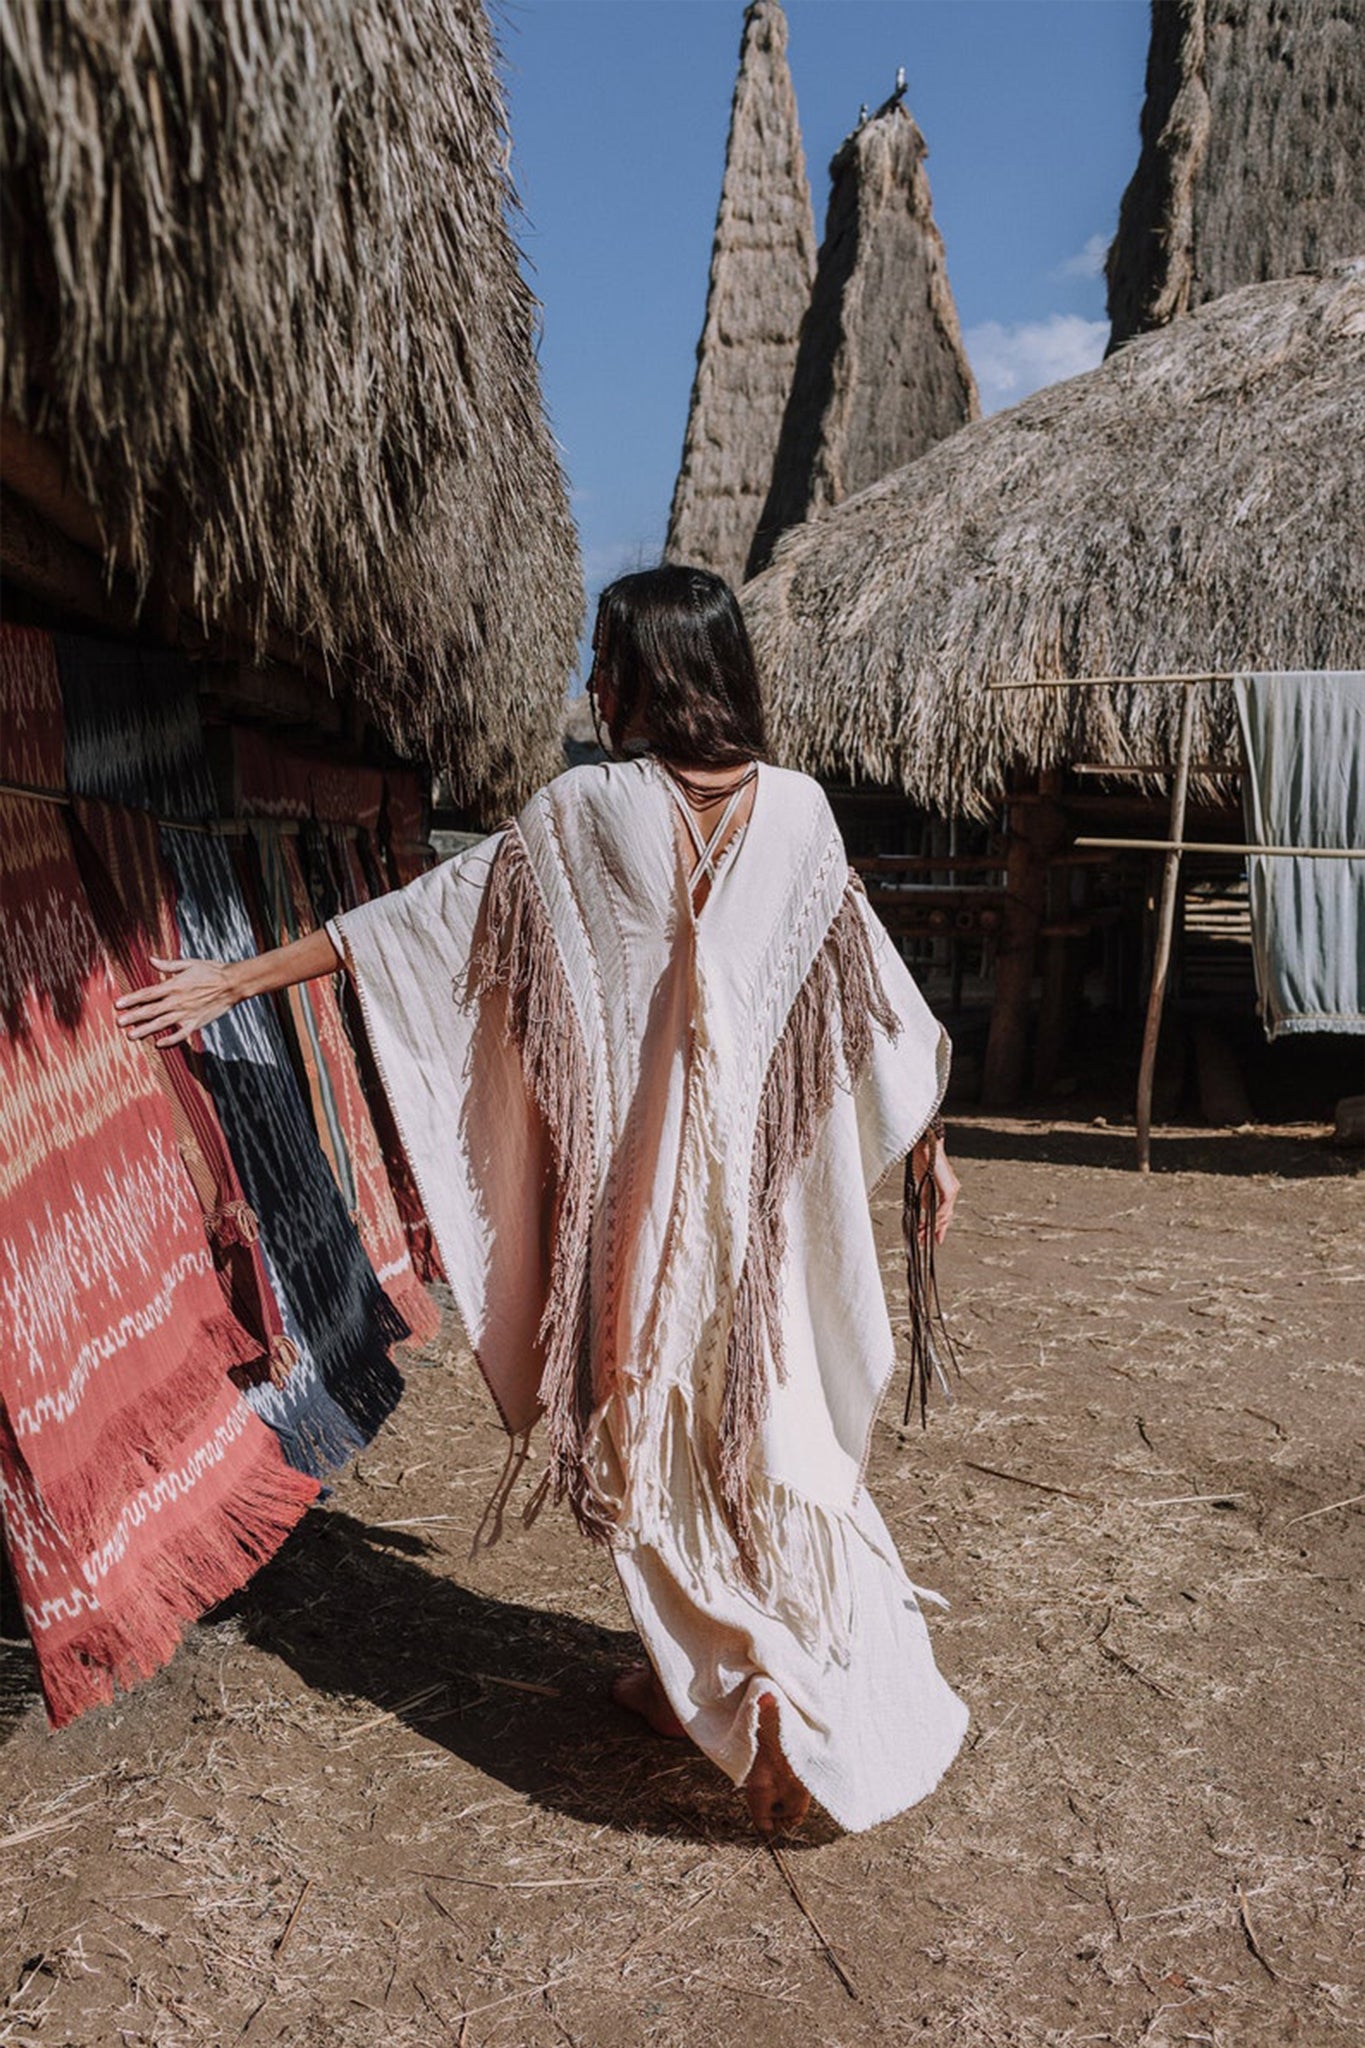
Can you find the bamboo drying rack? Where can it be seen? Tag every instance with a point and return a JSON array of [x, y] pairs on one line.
[[1173, 846]]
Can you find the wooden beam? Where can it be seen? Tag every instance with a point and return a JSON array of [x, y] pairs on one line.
[[1187, 676], [1238, 847], [41, 559], [33, 469], [1037, 831]]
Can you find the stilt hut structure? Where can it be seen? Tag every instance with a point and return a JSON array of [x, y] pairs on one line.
[[1252, 164], [762, 266], [282, 533], [881, 373], [1191, 507]]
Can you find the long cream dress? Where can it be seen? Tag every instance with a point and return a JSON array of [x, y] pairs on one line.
[[645, 1138]]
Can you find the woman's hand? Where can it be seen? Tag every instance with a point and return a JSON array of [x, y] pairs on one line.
[[930, 1157], [192, 994]]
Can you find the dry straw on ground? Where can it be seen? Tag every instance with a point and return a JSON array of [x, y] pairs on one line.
[[260, 290], [1252, 164], [762, 264], [1195, 504], [390, 1802], [881, 373]]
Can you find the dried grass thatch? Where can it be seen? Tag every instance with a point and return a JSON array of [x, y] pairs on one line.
[[1195, 504], [1253, 153], [881, 373], [762, 265], [259, 289]]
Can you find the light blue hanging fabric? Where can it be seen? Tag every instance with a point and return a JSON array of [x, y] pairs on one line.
[[1303, 743]]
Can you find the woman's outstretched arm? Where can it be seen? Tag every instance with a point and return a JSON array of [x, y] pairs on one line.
[[194, 992]]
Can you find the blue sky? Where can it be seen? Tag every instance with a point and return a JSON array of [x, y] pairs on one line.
[[619, 110]]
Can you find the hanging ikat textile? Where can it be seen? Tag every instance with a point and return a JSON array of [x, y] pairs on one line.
[[344, 1125], [138, 1487], [134, 738], [324, 861], [133, 901]]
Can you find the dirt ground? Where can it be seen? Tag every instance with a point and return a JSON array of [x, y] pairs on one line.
[[383, 1799]]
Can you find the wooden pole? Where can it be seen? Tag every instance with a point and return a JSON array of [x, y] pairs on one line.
[[1165, 928], [1036, 831]]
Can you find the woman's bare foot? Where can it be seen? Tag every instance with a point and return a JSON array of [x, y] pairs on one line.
[[776, 1796], [638, 1690]]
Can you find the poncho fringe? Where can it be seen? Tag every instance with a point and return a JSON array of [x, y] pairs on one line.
[[798, 1093], [827, 1039], [519, 953]]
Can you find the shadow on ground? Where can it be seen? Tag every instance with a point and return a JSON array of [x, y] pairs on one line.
[[1304, 1153], [518, 1692]]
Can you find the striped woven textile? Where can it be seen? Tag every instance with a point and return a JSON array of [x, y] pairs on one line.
[[402, 828], [300, 881], [341, 1116], [342, 870], [132, 899], [134, 738], [138, 1487]]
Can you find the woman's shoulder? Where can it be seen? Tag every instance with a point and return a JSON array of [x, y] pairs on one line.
[[793, 782], [800, 795], [607, 780]]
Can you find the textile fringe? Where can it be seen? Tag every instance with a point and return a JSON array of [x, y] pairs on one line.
[[201, 1566], [928, 1324], [798, 1092], [802, 1577], [518, 953]]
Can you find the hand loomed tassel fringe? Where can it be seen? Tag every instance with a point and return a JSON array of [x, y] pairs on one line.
[[798, 1093], [928, 1324], [518, 952]]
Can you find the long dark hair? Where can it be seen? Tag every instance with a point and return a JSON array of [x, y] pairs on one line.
[[672, 646]]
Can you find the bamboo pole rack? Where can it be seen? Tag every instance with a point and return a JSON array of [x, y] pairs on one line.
[[1172, 847]]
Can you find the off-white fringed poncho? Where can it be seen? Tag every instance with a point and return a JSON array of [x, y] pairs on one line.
[[645, 1139]]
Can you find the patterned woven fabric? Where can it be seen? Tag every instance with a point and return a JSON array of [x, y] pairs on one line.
[[299, 882], [132, 899], [402, 828], [341, 1116], [138, 1488], [134, 738]]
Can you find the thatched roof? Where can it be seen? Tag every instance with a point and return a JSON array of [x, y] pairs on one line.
[[1252, 163], [260, 291], [881, 373], [762, 264], [1195, 504]]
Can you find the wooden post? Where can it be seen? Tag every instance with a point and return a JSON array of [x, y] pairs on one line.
[[1165, 928], [1036, 830]]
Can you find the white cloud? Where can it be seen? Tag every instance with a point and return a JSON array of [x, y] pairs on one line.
[[1087, 262], [1011, 362]]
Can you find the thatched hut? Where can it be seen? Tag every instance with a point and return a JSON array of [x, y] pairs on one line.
[[1197, 503], [1252, 163], [274, 468], [1194, 505], [269, 362], [881, 373], [762, 265]]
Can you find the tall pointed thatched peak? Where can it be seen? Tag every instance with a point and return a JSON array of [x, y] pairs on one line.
[[881, 372], [762, 263], [1252, 163]]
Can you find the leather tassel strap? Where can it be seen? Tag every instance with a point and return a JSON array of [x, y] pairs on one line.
[[931, 1343]]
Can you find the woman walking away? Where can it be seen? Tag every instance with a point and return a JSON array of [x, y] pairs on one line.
[[650, 1051]]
